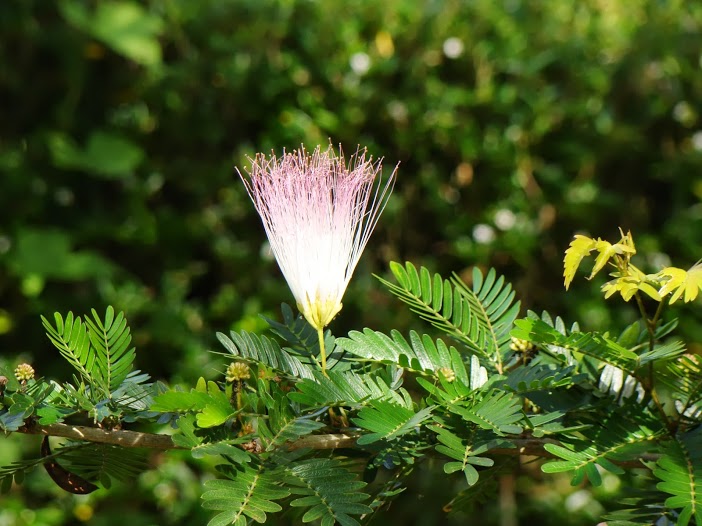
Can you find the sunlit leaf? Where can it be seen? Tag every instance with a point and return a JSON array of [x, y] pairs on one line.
[[682, 283], [580, 247]]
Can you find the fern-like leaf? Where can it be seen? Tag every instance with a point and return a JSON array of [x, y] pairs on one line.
[[421, 354], [17, 470], [344, 388], [618, 436], [110, 340], [685, 284], [579, 248], [496, 411], [98, 350], [592, 344], [104, 462], [680, 472], [249, 492], [202, 445], [388, 421], [479, 317], [470, 500], [450, 391], [259, 349], [328, 489], [683, 378], [537, 377], [642, 510], [466, 455], [70, 337], [282, 426]]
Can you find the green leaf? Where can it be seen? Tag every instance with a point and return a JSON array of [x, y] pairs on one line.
[[104, 462], [388, 421], [110, 341], [642, 510], [180, 401], [680, 472], [123, 25], [52, 415], [282, 426], [70, 337], [249, 492], [447, 392], [222, 447], [683, 377], [496, 411], [259, 349], [105, 155], [218, 408], [99, 351], [621, 435], [479, 317], [421, 354], [328, 489], [342, 388], [47, 253], [592, 344], [459, 449], [537, 377]]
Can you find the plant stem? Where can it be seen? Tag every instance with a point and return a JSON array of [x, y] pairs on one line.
[[649, 384], [644, 316], [323, 353], [657, 315]]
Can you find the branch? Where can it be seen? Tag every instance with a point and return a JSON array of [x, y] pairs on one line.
[[532, 447], [115, 437]]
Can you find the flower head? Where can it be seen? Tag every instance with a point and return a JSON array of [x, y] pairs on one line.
[[237, 371], [318, 212], [24, 372]]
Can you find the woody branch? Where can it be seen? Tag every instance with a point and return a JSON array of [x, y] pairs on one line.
[[533, 447]]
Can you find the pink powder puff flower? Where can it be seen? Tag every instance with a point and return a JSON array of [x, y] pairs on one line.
[[318, 213]]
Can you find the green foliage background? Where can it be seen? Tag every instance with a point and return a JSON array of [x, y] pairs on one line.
[[516, 124]]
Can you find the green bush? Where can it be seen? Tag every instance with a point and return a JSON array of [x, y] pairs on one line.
[[516, 124]]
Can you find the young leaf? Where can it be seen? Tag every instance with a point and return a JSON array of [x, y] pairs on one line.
[[218, 408], [110, 342], [180, 401], [682, 283], [71, 338], [580, 247]]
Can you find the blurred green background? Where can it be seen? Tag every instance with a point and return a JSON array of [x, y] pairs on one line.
[[517, 123]]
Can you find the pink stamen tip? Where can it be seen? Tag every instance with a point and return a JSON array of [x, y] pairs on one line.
[[318, 212]]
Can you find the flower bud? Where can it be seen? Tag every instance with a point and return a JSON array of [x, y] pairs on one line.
[[448, 374], [521, 346]]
